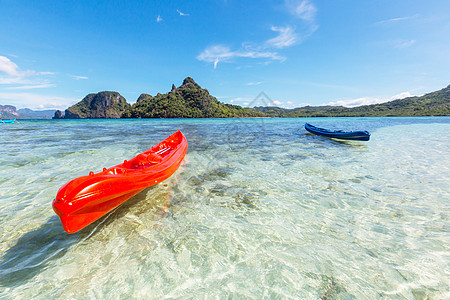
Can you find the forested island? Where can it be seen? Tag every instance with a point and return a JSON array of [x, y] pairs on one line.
[[103, 105], [190, 100], [187, 101]]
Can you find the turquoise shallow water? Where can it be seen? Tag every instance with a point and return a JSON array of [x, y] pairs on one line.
[[259, 209]]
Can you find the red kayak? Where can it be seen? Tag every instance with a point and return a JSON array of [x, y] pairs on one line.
[[87, 198]]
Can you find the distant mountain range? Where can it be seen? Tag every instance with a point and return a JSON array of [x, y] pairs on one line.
[[432, 104], [11, 112], [192, 101]]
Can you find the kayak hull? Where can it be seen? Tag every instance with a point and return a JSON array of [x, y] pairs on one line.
[[8, 121], [350, 135], [86, 199]]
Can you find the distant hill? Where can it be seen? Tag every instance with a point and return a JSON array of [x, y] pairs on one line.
[[103, 105], [187, 101], [11, 112], [36, 114], [432, 104]]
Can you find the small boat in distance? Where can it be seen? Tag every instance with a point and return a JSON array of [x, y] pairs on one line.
[[8, 121], [85, 199], [339, 134]]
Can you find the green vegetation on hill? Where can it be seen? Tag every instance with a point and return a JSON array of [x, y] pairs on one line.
[[103, 105], [432, 104], [187, 101]]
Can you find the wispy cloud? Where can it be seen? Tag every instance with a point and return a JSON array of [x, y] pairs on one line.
[[254, 83], [403, 43], [182, 13], [29, 87], [287, 37], [306, 11], [395, 20], [303, 9], [220, 53], [159, 19], [76, 77]]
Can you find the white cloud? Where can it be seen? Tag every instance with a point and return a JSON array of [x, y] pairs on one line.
[[159, 19], [14, 80], [239, 99], [403, 96], [36, 101], [24, 79], [76, 77], [254, 83], [304, 9], [356, 102], [8, 67], [286, 37], [181, 13], [395, 20], [369, 100], [403, 43], [29, 87], [220, 53], [216, 61], [276, 103]]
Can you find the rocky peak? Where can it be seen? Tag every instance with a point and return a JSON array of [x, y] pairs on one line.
[[143, 96], [58, 115], [103, 105], [189, 80]]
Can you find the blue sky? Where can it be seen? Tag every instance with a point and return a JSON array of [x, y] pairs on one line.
[[298, 52]]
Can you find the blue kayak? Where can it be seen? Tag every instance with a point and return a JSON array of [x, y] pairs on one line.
[[339, 134]]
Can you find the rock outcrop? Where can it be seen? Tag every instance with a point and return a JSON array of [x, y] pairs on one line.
[[58, 115], [103, 105]]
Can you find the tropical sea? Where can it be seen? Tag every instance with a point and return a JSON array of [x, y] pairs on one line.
[[259, 209]]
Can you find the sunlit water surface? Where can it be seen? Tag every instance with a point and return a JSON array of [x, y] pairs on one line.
[[259, 209]]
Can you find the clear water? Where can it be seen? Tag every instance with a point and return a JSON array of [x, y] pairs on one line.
[[260, 209]]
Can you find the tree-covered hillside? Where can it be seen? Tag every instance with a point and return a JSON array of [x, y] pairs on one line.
[[187, 101], [432, 104]]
